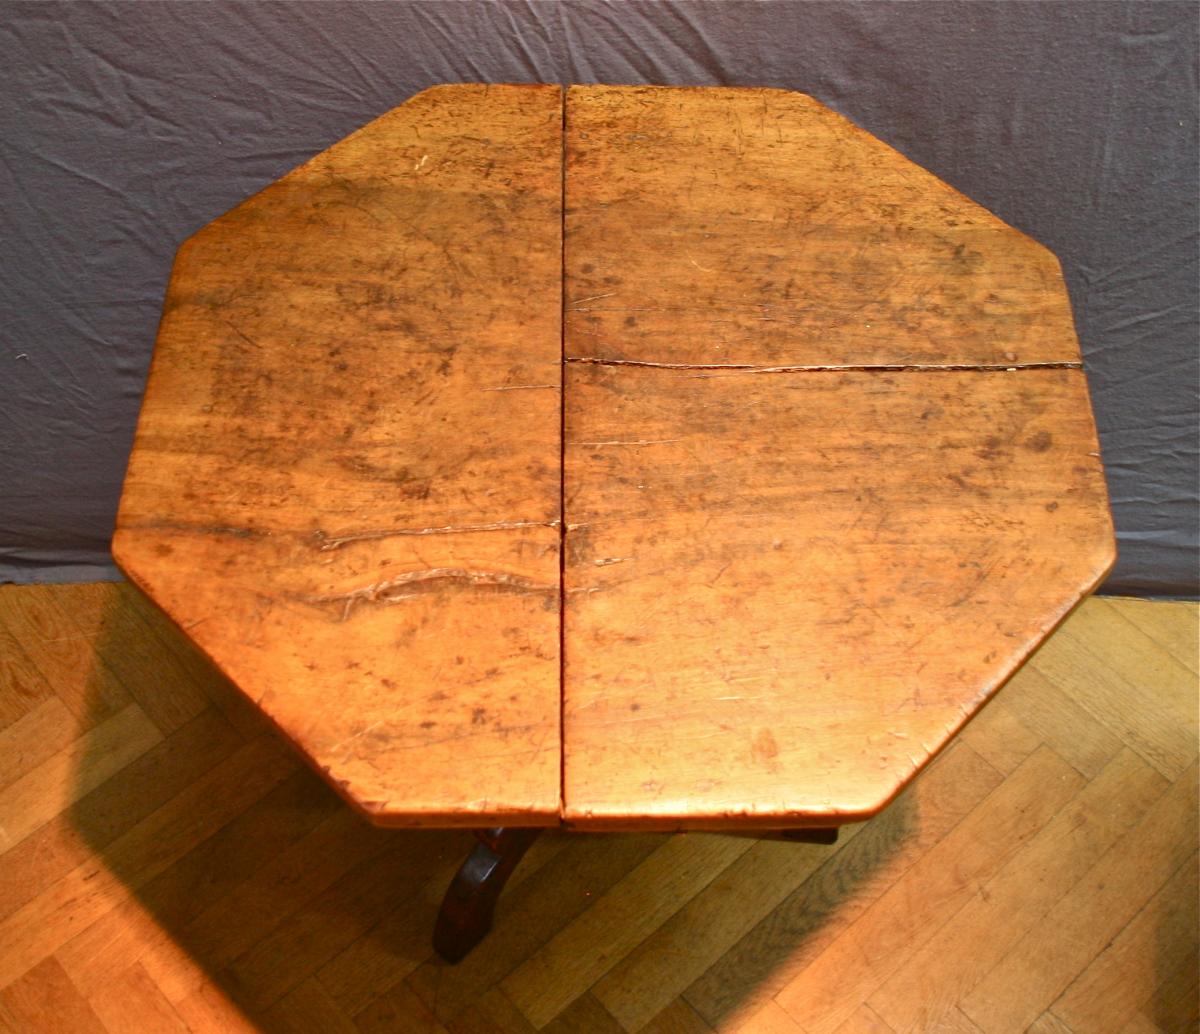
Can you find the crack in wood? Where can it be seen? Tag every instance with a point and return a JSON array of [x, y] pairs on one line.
[[828, 367], [326, 541], [433, 580]]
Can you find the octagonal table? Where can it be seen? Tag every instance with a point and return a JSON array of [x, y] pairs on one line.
[[617, 458]]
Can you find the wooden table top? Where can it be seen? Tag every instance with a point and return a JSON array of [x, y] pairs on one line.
[[714, 478]]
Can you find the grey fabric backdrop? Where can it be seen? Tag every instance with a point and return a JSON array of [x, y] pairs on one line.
[[124, 128]]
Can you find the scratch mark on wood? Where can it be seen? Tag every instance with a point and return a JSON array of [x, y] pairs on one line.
[[574, 306], [519, 387], [326, 542], [435, 579], [640, 441]]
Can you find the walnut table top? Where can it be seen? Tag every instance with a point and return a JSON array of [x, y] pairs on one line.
[[626, 457]]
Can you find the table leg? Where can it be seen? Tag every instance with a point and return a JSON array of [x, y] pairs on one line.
[[466, 913]]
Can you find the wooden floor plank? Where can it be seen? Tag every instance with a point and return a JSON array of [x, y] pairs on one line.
[[98, 818], [1047, 959], [796, 933], [1105, 996], [400, 943], [1139, 691], [8, 1022], [1173, 624], [88, 892], [147, 929], [528, 917], [1140, 1024], [307, 1009], [44, 1001], [682, 948], [615, 924], [256, 907], [493, 1013], [45, 790], [677, 1018], [956, 1022], [159, 684], [350, 907], [1055, 715], [369, 967], [40, 621], [768, 1019], [1047, 1023], [929, 894], [129, 935], [1000, 736], [399, 1009], [22, 684], [209, 1011], [35, 737], [1174, 1005], [864, 1020], [932, 979], [585, 1015], [131, 1003], [241, 849]]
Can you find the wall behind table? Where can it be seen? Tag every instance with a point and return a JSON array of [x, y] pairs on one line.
[[125, 128]]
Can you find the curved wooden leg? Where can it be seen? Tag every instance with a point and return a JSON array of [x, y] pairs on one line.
[[466, 913]]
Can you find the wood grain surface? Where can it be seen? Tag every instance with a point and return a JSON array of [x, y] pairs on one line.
[[829, 471], [345, 483], [830, 467]]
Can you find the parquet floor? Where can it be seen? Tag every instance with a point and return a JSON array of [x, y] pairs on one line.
[[167, 865]]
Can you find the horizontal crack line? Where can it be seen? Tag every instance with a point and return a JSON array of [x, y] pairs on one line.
[[326, 541], [434, 580], [828, 367]]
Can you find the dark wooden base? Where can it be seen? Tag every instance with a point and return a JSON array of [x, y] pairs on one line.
[[799, 836], [470, 902], [466, 913]]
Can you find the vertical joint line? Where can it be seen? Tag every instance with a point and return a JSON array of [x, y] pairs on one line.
[[562, 458]]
